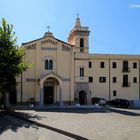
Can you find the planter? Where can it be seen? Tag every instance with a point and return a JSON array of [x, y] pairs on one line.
[[77, 104]]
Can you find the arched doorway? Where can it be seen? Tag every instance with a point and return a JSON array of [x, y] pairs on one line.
[[82, 98], [50, 88]]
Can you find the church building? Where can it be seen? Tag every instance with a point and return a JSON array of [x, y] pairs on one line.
[[65, 72]]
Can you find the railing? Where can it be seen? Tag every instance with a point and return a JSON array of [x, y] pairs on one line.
[[126, 84], [79, 29], [125, 69], [81, 49]]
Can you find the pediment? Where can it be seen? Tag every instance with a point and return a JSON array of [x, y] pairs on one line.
[[50, 75], [48, 39], [48, 42]]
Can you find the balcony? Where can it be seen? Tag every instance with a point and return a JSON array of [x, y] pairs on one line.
[[126, 84], [125, 69], [81, 49], [86, 29], [81, 79]]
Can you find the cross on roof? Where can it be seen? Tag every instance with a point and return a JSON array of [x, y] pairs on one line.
[[48, 28]]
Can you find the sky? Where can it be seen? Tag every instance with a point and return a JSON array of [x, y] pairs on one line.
[[114, 24]]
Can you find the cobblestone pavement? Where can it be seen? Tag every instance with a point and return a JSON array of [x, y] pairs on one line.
[[95, 124]]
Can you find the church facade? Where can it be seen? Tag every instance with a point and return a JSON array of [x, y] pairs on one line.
[[65, 72]]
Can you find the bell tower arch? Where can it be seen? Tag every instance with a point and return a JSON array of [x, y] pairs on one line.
[[79, 37]]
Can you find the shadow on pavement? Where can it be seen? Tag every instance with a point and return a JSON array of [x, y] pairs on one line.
[[124, 112], [91, 110], [16, 120], [73, 110], [9, 122], [27, 115], [27, 119]]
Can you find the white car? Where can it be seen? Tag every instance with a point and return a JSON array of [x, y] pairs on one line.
[[102, 102]]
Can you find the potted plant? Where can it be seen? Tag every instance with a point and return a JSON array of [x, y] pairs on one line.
[[31, 102], [76, 100]]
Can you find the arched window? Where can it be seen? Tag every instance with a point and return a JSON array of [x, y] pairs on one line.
[[81, 45], [81, 42], [46, 64], [81, 72], [50, 64]]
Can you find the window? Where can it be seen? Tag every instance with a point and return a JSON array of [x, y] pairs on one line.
[[48, 64], [102, 79], [81, 72], [125, 81], [90, 64], [125, 66], [114, 93], [134, 79], [114, 65], [102, 65], [114, 79], [81, 45], [134, 65], [90, 79]]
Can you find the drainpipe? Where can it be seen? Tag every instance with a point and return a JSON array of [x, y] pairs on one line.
[[139, 79], [21, 88], [109, 82], [60, 98]]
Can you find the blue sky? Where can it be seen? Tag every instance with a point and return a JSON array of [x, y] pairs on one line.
[[114, 24]]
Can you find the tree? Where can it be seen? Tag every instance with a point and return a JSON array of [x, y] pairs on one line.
[[11, 61]]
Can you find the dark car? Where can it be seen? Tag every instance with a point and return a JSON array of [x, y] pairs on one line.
[[120, 102], [97, 100]]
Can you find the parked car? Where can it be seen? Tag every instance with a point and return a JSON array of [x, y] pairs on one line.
[[120, 102], [97, 100]]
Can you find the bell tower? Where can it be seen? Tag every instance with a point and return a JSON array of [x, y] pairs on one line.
[[79, 37]]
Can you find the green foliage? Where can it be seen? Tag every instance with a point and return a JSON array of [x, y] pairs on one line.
[[11, 58]]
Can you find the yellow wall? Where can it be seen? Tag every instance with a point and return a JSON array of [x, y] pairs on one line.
[[67, 61]]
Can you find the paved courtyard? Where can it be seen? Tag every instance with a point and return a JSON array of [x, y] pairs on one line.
[[95, 124]]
